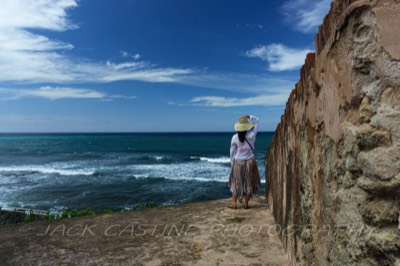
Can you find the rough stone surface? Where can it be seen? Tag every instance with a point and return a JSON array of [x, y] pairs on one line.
[[333, 167], [380, 188], [369, 137], [380, 212], [385, 242], [366, 110], [382, 162]]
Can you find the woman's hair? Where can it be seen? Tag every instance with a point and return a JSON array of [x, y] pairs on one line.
[[242, 135]]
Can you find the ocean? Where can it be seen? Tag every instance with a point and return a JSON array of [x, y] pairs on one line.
[[56, 172]]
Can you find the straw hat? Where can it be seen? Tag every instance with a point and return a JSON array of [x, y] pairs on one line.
[[243, 125]]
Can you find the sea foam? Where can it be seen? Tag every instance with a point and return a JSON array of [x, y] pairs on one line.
[[44, 169], [221, 160]]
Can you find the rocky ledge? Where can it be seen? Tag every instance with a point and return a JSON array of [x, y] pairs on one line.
[[204, 233]]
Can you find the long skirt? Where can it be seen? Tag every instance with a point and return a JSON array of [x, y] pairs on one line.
[[244, 178]]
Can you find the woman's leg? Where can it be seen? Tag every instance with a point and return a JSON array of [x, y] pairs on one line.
[[233, 205], [246, 202], [252, 181]]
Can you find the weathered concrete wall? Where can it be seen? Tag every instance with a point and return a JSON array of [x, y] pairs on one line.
[[333, 166]]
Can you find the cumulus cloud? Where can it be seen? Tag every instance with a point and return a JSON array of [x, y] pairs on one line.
[[305, 16], [279, 57]]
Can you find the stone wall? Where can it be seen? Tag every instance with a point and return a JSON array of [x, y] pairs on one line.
[[333, 166]]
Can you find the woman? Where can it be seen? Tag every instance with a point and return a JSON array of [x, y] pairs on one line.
[[244, 179]]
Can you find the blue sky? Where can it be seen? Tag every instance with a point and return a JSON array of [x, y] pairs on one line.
[[150, 65]]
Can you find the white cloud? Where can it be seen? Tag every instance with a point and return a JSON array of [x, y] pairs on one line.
[[238, 82], [124, 54], [267, 90], [53, 93], [260, 100], [63, 93], [28, 56], [305, 16], [58, 93], [126, 65], [149, 75], [123, 97], [279, 57], [136, 56], [14, 40], [34, 58], [38, 14]]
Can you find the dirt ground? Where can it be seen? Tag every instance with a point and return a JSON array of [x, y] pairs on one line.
[[204, 233]]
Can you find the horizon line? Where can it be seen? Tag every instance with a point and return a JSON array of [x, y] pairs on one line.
[[124, 132]]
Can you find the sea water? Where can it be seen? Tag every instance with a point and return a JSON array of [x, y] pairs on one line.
[[115, 171]]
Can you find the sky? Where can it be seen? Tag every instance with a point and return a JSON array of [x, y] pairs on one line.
[[150, 65]]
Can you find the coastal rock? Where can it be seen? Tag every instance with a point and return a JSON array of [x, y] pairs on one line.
[[369, 137], [348, 180], [378, 187], [352, 164], [388, 112], [391, 97], [334, 160], [366, 110], [381, 212], [381, 162], [385, 244]]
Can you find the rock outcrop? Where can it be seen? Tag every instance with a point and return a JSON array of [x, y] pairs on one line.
[[333, 167]]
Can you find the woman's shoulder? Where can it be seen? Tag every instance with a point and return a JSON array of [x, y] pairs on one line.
[[235, 137]]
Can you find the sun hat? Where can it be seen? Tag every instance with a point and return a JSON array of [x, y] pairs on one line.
[[243, 125]]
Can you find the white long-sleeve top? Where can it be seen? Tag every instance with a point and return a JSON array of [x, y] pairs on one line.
[[242, 151]]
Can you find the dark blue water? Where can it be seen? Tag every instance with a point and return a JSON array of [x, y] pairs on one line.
[[63, 171]]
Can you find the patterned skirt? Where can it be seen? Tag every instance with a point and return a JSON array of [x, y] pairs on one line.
[[244, 178]]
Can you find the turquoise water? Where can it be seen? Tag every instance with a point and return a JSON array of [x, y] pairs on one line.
[[63, 171]]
